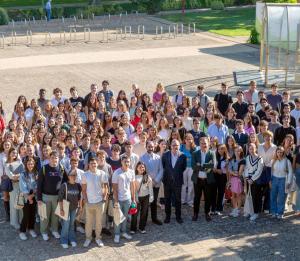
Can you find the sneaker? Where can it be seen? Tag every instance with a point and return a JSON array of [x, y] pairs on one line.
[[117, 239], [23, 236], [132, 232], [126, 236], [32, 233], [87, 242], [80, 229], [99, 243], [73, 244], [279, 216], [273, 216], [45, 237], [233, 211], [253, 217], [37, 219], [65, 246], [143, 231], [55, 234]]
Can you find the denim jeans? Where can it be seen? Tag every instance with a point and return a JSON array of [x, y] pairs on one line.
[[124, 206], [48, 14], [67, 230], [297, 174], [278, 195]]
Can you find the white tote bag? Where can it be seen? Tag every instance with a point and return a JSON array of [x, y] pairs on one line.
[[118, 216], [248, 206], [66, 206]]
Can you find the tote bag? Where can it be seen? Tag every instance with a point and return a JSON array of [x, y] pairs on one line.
[[248, 206], [66, 206]]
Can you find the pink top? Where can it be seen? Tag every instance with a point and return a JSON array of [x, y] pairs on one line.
[[157, 97], [249, 129]]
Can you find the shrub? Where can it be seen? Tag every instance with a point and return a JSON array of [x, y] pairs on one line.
[[228, 2], [3, 16], [217, 5], [254, 37]]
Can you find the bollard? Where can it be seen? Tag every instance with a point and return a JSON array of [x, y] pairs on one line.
[[181, 29], [48, 38], [174, 31], [62, 37], [29, 37], [109, 17], [73, 31], [141, 32], [13, 38], [3, 41], [33, 20], [88, 31], [194, 25], [126, 30], [103, 36]]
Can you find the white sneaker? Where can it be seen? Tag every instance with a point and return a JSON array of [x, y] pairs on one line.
[[279, 216], [143, 231], [132, 232], [73, 244], [55, 234], [125, 235], [232, 212], [45, 237], [80, 230], [65, 246], [23, 236], [117, 239], [32, 233], [253, 217], [99, 243], [87, 242]]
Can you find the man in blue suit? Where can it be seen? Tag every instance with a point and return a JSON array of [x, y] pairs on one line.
[[174, 164]]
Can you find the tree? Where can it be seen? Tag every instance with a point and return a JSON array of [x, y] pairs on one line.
[[152, 6]]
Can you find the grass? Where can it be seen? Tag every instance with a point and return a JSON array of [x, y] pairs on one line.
[[237, 22], [13, 3]]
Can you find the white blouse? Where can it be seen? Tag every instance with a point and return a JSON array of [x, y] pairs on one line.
[[283, 169]]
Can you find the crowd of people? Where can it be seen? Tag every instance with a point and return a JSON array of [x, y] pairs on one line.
[[87, 164]]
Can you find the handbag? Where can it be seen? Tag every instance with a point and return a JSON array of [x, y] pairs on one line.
[[19, 201], [6, 183], [248, 206], [66, 206]]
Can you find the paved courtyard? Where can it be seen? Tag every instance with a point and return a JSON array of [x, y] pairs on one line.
[[24, 70], [224, 238]]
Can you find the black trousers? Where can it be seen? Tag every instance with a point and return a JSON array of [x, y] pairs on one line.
[[154, 204], [143, 206], [217, 204], [208, 190], [257, 194], [28, 217], [176, 191], [260, 191]]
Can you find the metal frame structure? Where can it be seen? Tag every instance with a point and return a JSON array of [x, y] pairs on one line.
[[280, 43]]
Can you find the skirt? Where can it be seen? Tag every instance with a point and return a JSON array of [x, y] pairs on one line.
[[236, 185], [6, 184]]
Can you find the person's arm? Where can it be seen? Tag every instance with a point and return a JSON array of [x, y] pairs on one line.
[[132, 190], [40, 184], [290, 173], [61, 197], [105, 191], [160, 172], [115, 193]]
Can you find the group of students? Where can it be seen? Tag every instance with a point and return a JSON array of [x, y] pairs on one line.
[[112, 158]]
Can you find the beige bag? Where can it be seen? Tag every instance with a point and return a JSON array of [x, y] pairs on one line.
[[248, 206], [19, 201], [66, 206]]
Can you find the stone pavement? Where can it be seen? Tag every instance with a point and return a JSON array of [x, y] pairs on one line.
[[224, 238]]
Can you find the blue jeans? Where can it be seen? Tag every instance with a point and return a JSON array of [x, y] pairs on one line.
[[67, 230], [124, 206], [297, 174], [48, 13], [278, 196]]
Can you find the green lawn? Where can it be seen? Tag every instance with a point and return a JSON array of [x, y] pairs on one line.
[[238, 22], [13, 3]]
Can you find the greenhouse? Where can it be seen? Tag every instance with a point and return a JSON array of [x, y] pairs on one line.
[[280, 44]]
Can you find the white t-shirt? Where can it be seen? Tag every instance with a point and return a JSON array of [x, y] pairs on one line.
[[94, 183], [123, 179], [296, 114]]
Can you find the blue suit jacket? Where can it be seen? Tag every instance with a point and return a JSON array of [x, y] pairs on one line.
[[173, 176]]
